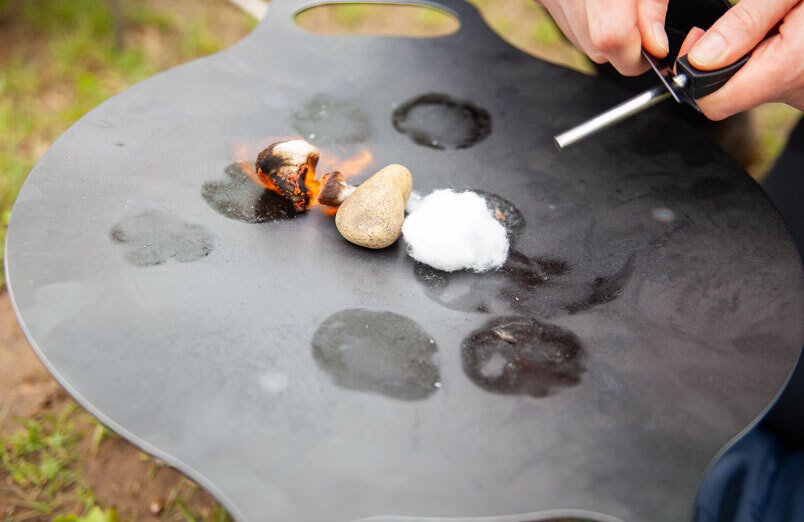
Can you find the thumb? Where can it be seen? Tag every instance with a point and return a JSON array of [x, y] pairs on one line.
[[692, 38], [737, 32]]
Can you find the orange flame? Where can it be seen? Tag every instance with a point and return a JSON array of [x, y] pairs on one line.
[[351, 166], [330, 160]]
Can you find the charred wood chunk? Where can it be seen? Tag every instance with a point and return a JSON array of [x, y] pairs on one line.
[[288, 168]]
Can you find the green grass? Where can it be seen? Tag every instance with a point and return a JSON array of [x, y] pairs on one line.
[[67, 64], [96, 514], [41, 459]]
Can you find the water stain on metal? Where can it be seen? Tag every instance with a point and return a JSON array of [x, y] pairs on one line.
[[522, 356], [379, 352], [242, 199], [153, 237], [326, 120], [441, 122], [462, 291]]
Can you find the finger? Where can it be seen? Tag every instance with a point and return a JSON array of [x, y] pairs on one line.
[[737, 32], [560, 19], [743, 91], [693, 36], [575, 13], [650, 21], [775, 72], [613, 32]]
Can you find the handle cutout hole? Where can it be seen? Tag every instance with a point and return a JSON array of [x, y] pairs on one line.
[[372, 19]]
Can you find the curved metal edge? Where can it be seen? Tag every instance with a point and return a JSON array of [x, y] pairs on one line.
[[184, 468], [473, 30], [761, 415], [462, 10], [753, 424], [282, 14], [539, 515], [428, 4]]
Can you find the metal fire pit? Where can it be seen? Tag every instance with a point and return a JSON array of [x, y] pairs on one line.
[[650, 313]]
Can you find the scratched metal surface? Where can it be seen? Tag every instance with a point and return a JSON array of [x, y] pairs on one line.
[[655, 294]]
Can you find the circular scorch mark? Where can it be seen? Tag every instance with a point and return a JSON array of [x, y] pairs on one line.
[[517, 355], [441, 122], [240, 198]]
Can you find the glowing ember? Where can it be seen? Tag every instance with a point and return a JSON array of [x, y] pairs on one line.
[[288, 167]]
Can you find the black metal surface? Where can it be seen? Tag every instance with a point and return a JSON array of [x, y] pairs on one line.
[[654, 290]]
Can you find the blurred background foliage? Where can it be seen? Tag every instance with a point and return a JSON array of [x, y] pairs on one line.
[[61, 58]]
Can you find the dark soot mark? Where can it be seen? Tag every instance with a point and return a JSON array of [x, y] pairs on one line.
[[534, 286], [441, 122], [604, 289], [554, 267], [513, 220], [522, 356], [379, 352], [153, 238], [241, 198], [326, 120]]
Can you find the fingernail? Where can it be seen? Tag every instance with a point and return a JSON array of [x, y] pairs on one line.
[[708, 49], [660, 36]]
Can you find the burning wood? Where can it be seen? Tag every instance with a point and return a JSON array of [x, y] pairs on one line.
[[288, 168], [334, 189]]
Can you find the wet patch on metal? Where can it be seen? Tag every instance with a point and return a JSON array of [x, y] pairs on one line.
[[326, 120], [439, 121], [154, 237], [378, 352], [242, 199], [522, 356]]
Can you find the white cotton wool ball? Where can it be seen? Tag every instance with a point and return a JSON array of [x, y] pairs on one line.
[[455, 231], [414, 200]]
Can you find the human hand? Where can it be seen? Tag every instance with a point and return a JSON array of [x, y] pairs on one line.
[[614, 30], [775, 70]]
